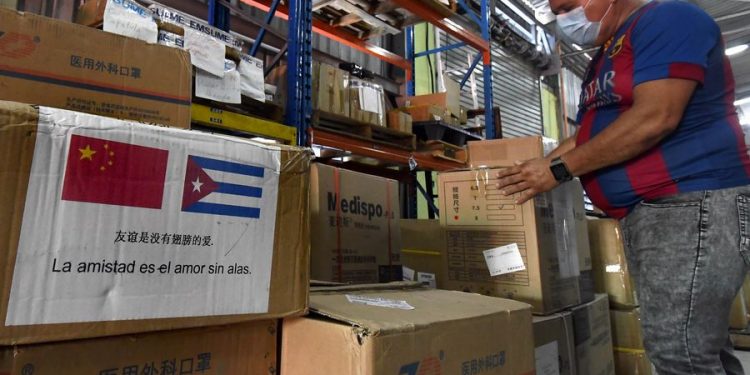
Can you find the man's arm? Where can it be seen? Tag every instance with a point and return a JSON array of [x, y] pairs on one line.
[[657, 110], [564, 147]]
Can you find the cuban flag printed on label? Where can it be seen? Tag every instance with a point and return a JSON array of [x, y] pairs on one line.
[[221, 187]]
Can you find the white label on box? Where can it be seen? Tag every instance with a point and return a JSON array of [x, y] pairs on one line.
[[504, 259], [129, 221], [427, 278], [369, 99], [222, 89], [546, 359], [130, 19], [408, 273], [176, 17], [171, 40], [612, 268], [251, 78], [206, 52], [380, 302]]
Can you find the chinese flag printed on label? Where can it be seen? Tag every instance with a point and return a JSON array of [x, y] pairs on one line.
[[108, 172]]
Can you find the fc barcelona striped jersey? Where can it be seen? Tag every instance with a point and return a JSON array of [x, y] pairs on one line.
[[670, 39]]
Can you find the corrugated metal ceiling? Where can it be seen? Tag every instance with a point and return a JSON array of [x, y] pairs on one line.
[[734, 19]]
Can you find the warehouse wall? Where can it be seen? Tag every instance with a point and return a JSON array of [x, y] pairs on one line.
[[515, 88]]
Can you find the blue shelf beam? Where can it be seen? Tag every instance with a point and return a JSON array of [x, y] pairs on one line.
[[410, 89], [262, 33], [299, 73], [470, 12], [440, 49], [218, 15], [473, 66], [481, 43]]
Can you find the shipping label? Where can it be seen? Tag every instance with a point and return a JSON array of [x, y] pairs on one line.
[[129, 221], [467, 261], [252, 77], [128, 18], [173, 16], [224, 89]]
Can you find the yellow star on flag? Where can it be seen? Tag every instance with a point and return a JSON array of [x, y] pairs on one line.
[[87, 153]]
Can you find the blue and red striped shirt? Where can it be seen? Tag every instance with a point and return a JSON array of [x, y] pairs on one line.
[[707, 151]]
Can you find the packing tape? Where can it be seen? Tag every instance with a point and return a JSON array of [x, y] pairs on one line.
[[339, 255], [629, 350], [421, 252]]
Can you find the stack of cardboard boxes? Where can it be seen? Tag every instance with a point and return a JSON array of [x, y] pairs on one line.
[[59, 64], [536, 252], [337, 92], [148, 246], [223, 71], [611, 276]]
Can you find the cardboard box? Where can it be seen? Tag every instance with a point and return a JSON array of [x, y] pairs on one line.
[[610, 268], [478, 218], [555, 351], [400, 120], [59, 64], [242, 349], [492, 153], [445, 333], [738, 314], [633, 363], [118, 227], [330, 92], [355, 218], [448, 102], [593, 337], [626, 329], [422, 247], [425, 113]]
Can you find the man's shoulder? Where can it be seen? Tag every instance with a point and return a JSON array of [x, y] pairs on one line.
[[676, 12], [675, 15]]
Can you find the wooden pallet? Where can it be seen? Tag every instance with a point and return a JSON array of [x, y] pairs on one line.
[[368, 19], [444, 150], [352, 128]]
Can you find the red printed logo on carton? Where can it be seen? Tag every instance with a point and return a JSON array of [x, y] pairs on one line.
[[16, 46]]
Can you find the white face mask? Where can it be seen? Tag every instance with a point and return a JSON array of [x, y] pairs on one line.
[[578, 28]]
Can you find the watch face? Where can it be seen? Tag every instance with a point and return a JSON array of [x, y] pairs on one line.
[[559, 171]]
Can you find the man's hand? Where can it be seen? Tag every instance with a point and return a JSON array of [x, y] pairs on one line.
[[529, 178]]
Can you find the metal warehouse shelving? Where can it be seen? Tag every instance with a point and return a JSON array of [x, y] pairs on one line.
[[302, 24]]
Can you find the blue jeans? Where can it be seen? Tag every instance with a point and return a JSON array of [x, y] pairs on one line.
[[688, 255]]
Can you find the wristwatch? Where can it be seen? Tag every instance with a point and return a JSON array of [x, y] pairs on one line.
[[560, 170]]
